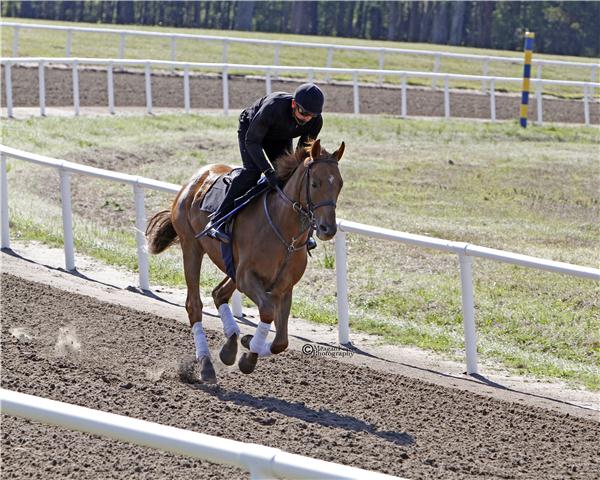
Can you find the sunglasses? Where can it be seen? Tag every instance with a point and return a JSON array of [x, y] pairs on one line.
[[303, 112]]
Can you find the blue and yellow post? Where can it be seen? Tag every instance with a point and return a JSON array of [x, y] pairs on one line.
[[528, 49]]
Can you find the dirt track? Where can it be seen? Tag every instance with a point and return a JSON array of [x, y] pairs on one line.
[[80, 350], [207, 92]]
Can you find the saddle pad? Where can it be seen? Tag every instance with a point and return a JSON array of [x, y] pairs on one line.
[[215, 195]]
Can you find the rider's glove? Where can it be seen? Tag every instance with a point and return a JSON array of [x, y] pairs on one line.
[[272, 178]]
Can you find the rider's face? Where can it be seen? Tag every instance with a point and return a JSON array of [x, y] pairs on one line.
[[302, 116]]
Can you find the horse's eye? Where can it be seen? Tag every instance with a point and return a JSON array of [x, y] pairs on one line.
[[314, 184]]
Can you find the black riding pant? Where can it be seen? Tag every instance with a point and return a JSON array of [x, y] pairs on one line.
[[250, 173]]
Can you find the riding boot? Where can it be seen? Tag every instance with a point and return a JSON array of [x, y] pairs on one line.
[[237, 188]]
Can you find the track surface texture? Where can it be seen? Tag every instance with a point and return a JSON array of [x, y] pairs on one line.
[[206, 92], [78, 349]]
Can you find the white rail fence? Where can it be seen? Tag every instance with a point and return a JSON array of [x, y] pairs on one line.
[[381, 52], [262, 462], [269, 72], [464, 250]]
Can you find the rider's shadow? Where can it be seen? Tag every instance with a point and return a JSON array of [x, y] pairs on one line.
[[299, 410]]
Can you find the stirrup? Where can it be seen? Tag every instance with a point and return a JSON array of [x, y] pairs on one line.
[[219, 235], [311, 244]]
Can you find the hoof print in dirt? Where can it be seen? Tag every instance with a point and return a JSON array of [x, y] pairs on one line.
[[187, 369]]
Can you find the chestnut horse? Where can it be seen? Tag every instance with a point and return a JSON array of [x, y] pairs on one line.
[[269, 248]]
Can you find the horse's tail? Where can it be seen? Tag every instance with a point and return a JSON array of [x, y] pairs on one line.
[[160, 233]]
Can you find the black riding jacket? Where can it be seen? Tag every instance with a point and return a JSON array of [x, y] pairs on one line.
[[271, 119]]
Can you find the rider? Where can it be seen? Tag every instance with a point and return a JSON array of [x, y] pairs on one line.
[[270, 124]]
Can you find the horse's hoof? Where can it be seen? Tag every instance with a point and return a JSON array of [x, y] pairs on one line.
[[229, 350], [207, 371], [247, 362], [245, 341]]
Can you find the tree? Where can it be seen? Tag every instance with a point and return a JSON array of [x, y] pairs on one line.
[[439, 30], [457, 22], [243, 15]]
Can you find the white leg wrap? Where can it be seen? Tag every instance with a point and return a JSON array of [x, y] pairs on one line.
[[259, 344], [230, 327], [200, 341]]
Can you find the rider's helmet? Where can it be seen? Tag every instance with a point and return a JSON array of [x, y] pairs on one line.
[[310, 98]]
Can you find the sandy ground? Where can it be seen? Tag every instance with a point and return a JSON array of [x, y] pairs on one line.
[[90, 339], [206, 92]]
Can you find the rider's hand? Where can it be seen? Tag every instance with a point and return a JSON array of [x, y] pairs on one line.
[[272, 178]]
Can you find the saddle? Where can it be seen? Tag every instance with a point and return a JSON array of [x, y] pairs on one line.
[[212, 200]]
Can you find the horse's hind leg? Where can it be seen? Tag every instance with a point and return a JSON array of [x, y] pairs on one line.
[[192, 261], [221, 295]]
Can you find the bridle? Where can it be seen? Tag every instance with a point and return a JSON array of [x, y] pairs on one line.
[[306, 213]]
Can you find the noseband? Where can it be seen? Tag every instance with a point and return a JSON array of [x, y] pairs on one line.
[[307, 212]]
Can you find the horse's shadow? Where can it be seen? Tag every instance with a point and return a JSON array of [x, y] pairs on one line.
[[299, 410]]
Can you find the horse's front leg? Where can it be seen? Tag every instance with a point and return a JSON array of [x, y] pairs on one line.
[[280, 343], [268, 305]]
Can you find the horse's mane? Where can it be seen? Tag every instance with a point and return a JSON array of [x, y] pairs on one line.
[[288, 162]]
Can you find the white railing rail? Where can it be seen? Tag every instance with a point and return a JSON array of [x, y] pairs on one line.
[[277, 44], [465, 251], [262, 462], [269, 72]]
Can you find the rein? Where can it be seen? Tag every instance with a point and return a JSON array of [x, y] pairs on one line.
[[307, 213]]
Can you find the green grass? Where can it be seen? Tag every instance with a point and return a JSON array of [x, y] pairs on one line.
[[531, 191], [53, 44]]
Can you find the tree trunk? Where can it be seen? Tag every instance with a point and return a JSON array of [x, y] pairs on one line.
[[439, 31], [414, 21], [299, 17], [487, 12], [243, 15], [457, 24], [313, 17], [392, 32], [426, 18]]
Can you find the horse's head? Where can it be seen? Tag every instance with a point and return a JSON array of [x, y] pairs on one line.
[[323, 185]]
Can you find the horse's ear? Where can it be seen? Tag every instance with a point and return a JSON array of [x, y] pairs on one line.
[[307, 161], [315, 151], [339, 152]]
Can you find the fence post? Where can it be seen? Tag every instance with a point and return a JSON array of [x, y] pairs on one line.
[[586, 105], [276, 60], [140, 238], [67, 218], [148, 89], [268, 82], [403, 112], [16, 42], [446, 99], [493, 99], [4, 200], [468, 311], [69, 42], [329, 62], [538, 99], [236, 304], [186, 89], [436, 68], [341, 277], [173, 51], [356, 97], [111, 89], [76, 87], [122, 45], [528, 51], [8, 82], [225, 92], [486, 69], [225, 49], [381, 62], [42, 88]]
